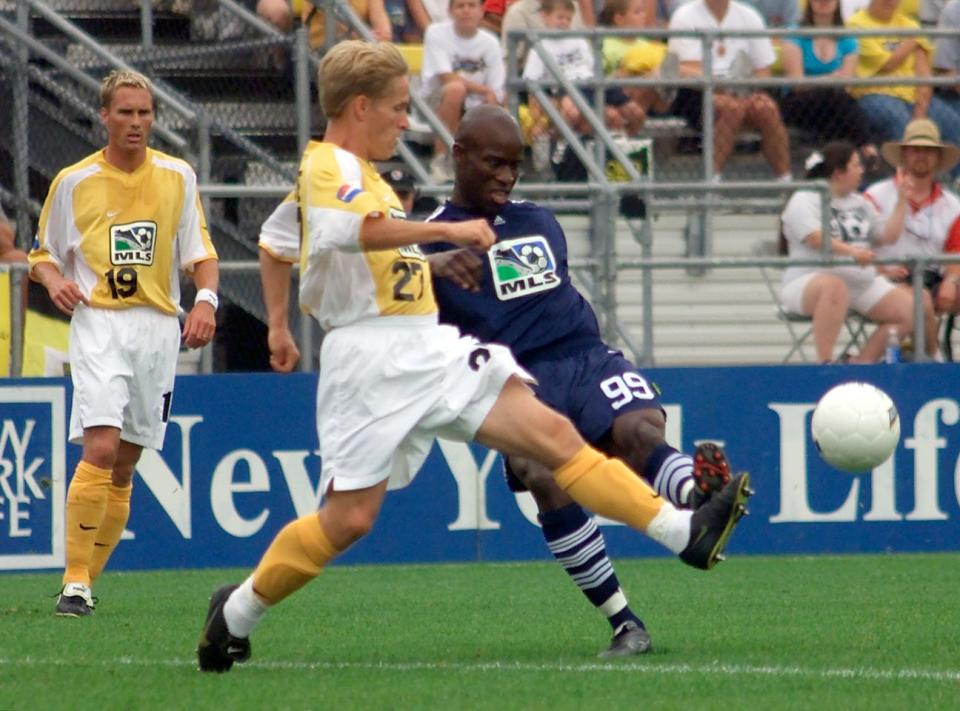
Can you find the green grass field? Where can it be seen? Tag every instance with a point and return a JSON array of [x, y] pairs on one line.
[[858, 632]]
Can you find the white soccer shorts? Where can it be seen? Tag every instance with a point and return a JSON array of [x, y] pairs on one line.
[[123, 364], [390, 385]]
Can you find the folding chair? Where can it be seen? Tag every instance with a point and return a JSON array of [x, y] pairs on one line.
[[800, 326]]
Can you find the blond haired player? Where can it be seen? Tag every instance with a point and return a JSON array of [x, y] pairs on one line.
[[115, 231], [391, 377]]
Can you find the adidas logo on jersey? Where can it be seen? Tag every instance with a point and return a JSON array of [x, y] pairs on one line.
[[522, 266], [497, 221], [133, 243]]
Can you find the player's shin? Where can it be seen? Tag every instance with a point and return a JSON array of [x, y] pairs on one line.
[[297, 555], [111, 529], [608, 487], [86, 505]]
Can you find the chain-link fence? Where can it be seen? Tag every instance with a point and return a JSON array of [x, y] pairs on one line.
[[235, 98]]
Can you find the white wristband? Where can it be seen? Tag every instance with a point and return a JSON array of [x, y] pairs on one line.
[[209, 296]]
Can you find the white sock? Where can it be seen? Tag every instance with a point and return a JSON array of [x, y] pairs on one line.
[[243, 610], [614, 603], [785, 178], [671, 528]]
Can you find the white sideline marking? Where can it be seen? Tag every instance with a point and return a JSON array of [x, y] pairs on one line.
[[864, 673]]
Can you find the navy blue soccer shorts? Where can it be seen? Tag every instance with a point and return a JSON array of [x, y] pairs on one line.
[[592, 388]]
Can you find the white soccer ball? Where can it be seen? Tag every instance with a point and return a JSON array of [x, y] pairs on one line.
[[855, 427]]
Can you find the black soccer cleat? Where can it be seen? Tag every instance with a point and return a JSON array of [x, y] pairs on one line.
[[712, 524], [217, 649], [75, 600], [711, 472], [630, 639]]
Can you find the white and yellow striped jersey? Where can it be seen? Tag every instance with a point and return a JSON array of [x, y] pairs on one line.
[[123, 237], [340, 283]]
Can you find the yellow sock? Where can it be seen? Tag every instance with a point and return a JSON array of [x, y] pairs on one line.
[[296, 556], [608, 487], [114, 521], [86, 504]]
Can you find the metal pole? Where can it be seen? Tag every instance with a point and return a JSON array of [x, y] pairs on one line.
[[20, 133], [204, 150], [17, 275]]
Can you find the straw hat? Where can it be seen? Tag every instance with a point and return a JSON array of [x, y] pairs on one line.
[[922, 132]]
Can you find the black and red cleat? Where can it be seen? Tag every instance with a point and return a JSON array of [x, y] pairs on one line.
[[711, 472]]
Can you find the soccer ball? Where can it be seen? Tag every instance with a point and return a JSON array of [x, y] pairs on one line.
[[855, 427]]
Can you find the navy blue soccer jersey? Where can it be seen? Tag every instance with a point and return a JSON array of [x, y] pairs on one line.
[[526, 299]]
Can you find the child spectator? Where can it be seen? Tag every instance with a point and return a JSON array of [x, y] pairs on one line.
[[462, 68], [626, 56], [575, 57]]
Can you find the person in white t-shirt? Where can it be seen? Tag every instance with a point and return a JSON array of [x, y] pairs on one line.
[[827, 294], [931, 225], [462, 68], [575, 58], [735, 58]]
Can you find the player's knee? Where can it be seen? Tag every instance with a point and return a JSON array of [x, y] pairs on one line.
[[355, 524]]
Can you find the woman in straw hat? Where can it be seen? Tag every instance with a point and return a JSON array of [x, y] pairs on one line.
[[932, 223]]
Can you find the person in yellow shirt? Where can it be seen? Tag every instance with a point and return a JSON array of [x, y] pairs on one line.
[[391, 377], [114, 233], [890, 108]]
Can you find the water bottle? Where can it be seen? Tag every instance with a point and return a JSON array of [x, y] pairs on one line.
[[892, 354]]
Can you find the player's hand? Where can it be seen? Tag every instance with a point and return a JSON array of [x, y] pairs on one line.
[[461, 266], [471, 233], [199, 326], [862, 255], [65, 295], [284, 353]]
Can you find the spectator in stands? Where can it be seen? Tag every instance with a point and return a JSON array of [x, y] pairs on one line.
[[946, 58], [553, 333], [828, 111], [371, 12], [462, 68], [827, 294], [126, 199], [423, 13], [9, 254], [392, 378], [890, 108], [403, 186], [733, 57], [782, 14], [278, 13], [574, 55], [931, 225], [930, 12], [634, 57], [909, 8], [526, 15]]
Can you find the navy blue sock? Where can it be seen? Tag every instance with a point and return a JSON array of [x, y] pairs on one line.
[[578, 546]]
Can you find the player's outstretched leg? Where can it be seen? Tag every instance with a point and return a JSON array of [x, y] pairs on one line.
[[217, 649], [713, 523], [711, 473]]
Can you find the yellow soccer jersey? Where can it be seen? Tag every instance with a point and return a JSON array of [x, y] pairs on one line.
[[339, 282], [124, 236], [875, 51]]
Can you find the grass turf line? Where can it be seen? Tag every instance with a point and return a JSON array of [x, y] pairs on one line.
[[772, 632]]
